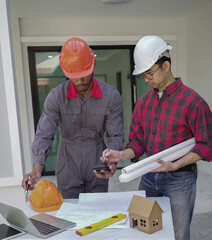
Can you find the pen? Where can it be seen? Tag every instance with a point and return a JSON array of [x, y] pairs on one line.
[[26, 197], [27, 189], [26, 193], [107, 150]]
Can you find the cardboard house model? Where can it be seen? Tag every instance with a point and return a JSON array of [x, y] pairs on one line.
[[146, 214]]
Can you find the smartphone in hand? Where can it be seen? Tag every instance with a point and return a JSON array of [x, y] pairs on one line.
[[98, 168]]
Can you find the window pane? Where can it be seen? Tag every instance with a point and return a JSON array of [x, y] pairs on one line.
[[113, 66], [49, 75]]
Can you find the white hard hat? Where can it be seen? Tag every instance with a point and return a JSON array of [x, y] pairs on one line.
[[147, 51]]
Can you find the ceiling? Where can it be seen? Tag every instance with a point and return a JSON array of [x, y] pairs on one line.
[[91, 8]]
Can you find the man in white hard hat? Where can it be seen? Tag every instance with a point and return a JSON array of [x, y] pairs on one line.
[[168, 114]]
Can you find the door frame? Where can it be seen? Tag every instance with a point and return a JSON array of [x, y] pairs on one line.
[[33, 77]]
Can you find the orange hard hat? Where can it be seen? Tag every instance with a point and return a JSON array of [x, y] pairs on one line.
[[45, 197], [76, 58]]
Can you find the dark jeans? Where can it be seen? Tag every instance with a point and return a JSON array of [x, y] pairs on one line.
[[180, 187]]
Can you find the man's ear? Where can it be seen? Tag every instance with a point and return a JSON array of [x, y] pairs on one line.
[[166, 66], [94, 63]]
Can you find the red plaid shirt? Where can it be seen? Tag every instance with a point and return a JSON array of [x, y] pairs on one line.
[[178, 115]]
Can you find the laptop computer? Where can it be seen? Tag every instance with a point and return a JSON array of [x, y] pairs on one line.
[[41, 225]]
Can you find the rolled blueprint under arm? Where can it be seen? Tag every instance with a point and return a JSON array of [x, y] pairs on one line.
[[149, 164]]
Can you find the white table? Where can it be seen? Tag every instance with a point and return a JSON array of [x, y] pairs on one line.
[[167, 233]]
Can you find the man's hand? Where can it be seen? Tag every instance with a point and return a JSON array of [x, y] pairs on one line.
[[30, 179], [188, 159], [109, 155], [105, 173], [165, 166]]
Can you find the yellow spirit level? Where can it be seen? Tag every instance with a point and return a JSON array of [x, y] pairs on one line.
[[104, 223]]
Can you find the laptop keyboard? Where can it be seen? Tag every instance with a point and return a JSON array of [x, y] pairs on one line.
[[44, 228]]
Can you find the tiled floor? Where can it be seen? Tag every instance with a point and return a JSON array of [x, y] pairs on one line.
[[201, 227]]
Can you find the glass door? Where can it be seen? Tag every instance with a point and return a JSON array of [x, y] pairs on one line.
[[113, 65], [45, 74]]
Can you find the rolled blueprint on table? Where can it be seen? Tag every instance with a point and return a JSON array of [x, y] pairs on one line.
[[149, 164]]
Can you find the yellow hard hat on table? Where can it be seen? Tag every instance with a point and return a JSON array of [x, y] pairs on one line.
[[45, 197]]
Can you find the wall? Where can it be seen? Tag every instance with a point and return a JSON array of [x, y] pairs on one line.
[[93, 26], [199, 67], [199, 52]]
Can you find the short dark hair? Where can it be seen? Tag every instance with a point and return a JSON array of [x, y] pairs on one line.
[[162, 60]]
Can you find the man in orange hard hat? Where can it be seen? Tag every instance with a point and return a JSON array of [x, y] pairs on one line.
[[83, 109]]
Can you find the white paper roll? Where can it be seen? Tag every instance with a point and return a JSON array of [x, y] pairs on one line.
[[150, 163], [159, 155]]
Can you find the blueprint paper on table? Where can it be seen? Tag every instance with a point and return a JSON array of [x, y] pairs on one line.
[[92, 208]]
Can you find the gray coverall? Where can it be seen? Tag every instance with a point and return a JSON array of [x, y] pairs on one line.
[[82, 124]]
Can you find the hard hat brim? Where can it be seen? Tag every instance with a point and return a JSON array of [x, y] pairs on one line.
[[139, 71], [46, 209]]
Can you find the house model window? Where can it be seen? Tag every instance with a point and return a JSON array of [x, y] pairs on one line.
[[146, 214], [155, 222], [143, 222]]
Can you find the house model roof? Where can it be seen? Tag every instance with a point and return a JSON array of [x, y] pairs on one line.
[[142, 206]]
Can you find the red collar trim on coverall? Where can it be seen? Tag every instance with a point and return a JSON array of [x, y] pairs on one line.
[[72, 92]]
